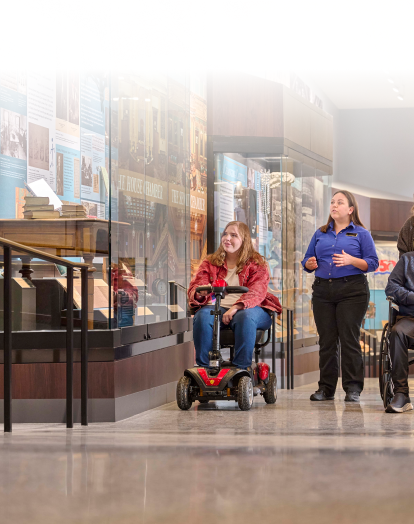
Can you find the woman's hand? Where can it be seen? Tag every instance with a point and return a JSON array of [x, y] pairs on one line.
[[202, 294], [229, 314], [311, 264], [347, 260], [343, 259]]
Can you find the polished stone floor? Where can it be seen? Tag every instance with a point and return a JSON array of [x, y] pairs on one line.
[[294, 462]]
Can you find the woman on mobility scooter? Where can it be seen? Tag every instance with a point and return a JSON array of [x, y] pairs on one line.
[[236, 262]]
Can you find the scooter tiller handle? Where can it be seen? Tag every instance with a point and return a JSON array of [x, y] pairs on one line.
[[203, 288], [237, 289]]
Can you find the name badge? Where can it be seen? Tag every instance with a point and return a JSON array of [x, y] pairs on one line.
[[351, 234]]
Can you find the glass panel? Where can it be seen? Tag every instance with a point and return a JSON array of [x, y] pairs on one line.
[[197, 174], [178, 165], [128, 202], [309, 226], [151, 238], [54, 182], [293, 292]]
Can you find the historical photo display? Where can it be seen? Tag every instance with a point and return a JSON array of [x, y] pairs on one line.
[[38, 146], [13, 134], [86, 171], [59, 174]]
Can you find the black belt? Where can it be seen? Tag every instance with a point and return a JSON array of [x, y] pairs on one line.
[[341, 279]]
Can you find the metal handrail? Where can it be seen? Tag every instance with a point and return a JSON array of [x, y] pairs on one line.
[[290, 367], [8, 247]]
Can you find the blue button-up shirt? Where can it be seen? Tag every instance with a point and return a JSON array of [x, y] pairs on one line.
[[354, 240]]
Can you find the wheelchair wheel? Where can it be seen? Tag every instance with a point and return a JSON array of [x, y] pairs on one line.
[[270, 394], [183, 393], [245, 393], [388, 392]]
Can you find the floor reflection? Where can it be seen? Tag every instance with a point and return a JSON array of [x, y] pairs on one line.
[[293, 462]]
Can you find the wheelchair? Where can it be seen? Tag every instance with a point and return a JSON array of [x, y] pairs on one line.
[[222, 380], [385, 364]]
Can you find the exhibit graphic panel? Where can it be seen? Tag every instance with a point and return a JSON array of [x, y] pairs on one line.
[[41, 106], [13, 139]]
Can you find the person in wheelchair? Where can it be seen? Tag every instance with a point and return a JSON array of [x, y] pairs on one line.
[[400, 288], [238, 264]]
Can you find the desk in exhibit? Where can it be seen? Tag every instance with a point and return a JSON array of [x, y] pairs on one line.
[[71, 237]]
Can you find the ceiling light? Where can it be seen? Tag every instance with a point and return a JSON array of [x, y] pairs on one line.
[[390, 80], [148, 100], [395, 89], [115, 99], [400, 97]]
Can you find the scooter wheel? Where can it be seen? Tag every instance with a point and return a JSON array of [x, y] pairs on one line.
[[245, 393], [183, 393], [270, 393]]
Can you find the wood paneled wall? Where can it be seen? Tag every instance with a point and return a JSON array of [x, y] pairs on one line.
[[389, 215], [244, 105], [105, 379]]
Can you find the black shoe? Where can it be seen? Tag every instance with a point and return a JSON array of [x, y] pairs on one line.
[[321, 395], [399, 404], [352, 396]]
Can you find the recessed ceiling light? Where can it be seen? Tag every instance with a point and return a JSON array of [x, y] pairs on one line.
[[400, 97], [395, 89], [148, 100], [115, 99], [390, 80]]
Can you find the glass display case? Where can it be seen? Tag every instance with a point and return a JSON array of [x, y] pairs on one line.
[[283, 200], [109, 169]]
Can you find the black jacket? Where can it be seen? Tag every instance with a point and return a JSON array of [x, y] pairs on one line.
[[401, 284]]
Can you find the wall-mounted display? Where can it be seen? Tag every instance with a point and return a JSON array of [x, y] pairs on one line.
[[129, 153]]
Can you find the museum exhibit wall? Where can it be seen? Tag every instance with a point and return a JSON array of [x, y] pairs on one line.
[[130, 149]]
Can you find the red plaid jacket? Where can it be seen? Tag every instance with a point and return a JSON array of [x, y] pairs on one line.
[[253, 276]]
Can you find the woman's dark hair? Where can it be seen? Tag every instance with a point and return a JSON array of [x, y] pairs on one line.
[[352, 202]]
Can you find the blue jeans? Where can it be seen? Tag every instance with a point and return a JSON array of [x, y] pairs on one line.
[[244, 324]]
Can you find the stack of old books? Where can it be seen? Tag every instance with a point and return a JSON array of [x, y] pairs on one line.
[[39, 207], [73, 211]]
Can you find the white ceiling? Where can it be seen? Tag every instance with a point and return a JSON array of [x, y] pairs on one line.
[[366, 90]]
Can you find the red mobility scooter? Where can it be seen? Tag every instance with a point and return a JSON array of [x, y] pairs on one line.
[[221, 380]]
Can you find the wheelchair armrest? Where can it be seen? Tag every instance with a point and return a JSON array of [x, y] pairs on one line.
[[393, 304]]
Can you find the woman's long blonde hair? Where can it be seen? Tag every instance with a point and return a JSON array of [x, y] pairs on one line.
[[246, 251], [352, 202]]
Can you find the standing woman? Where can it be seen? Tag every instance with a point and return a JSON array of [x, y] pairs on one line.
[[340, 252]]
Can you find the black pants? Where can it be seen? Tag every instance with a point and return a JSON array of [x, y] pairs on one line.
[[401, 339], [339, 306]]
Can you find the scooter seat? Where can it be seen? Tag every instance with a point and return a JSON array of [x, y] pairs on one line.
[[227, 337]]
